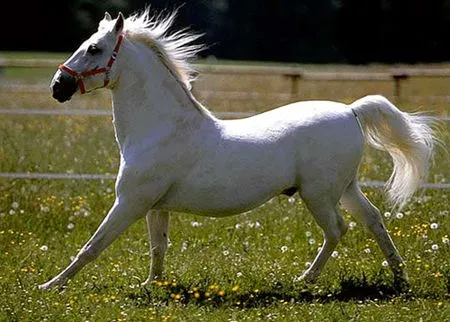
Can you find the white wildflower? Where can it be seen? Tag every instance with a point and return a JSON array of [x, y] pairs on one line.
[[70, 226], [284, 249], [352, 225], [291, 200], [334, 254], [385, 264], [308, 234], [399, 215], [15, 205], [367, 251], [195, 224], [311, 241], [434, 247], [44, 248], [434, 225], [387, 214], [184, 246]]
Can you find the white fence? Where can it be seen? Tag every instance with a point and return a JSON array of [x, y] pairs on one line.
[[293, 74]]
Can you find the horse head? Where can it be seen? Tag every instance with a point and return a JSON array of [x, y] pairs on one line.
[[90, 66]]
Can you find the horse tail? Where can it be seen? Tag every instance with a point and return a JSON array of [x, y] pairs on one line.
[[408, 138]]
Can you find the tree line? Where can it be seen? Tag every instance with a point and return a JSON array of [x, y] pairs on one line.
[[302, 31]]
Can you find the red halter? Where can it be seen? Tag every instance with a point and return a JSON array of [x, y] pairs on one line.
[[79, 76]]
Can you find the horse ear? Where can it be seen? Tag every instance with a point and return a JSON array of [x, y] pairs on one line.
[[119, 23], [107, 16]]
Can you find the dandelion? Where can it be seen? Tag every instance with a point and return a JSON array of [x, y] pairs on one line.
[[291, 200], [399, 215], [387, 214], [45, 209], [12, 212], [434, 226], [367, 251], [311, 241], [226, 253], [434, 247], [70, 226], [195, 224], [238, 274], [86, 213], [284, 249], [237, 226], [334, 254], [44, 248], [385, 264], [352, 225], [308, 234], [445, 240], [308, 264], [15, 205]]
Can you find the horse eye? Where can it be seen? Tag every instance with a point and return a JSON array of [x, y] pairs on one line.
[[93, 49]]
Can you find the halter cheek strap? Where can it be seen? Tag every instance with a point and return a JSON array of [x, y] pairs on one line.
[[79, 76]]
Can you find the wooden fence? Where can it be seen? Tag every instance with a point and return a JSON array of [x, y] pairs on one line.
[[293, 74]]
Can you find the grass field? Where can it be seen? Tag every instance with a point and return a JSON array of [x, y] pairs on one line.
[[232, 269]]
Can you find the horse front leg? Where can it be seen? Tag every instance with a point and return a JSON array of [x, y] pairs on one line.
[[122, 214], [158, 229]]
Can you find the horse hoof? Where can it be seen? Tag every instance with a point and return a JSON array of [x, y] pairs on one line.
[[401, 285], [306, 278]]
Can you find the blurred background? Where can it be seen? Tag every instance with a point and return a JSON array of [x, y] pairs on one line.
[[300, 31]]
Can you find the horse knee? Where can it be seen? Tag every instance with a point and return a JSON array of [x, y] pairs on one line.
[[87, 254], [159, 250]]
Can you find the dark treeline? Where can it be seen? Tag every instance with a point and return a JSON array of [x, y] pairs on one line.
[[308, 31]]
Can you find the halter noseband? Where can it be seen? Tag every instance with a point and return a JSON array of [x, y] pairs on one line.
[[79, 76]]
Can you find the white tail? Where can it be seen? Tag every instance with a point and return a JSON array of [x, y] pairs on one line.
[[408, 138]]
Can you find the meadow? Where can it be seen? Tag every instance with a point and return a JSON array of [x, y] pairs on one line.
[[239, 268]]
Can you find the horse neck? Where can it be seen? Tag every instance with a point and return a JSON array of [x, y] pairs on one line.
[[149, 101]]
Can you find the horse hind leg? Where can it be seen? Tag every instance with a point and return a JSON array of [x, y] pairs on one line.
[[334, 227], [359, 206]]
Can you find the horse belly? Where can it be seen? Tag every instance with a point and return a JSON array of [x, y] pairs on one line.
[[218, 191]]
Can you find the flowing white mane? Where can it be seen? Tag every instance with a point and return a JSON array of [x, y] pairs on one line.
[[174, 49]]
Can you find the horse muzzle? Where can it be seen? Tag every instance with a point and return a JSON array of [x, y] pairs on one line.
[[63, 86]]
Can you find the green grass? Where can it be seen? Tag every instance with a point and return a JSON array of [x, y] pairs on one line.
[[237, 268]]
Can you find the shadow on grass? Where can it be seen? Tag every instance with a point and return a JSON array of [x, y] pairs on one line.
[[350, 289]]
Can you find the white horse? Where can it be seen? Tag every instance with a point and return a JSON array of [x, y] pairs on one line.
[[176, 156]]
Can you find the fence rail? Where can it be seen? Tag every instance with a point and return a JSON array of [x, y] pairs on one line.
[[107, 112], [94, 176]]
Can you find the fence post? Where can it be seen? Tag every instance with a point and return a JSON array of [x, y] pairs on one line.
[[398, 77], [295, 78]]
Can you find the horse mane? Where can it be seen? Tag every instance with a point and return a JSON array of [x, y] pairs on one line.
[[175, 50]]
